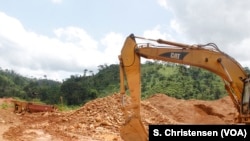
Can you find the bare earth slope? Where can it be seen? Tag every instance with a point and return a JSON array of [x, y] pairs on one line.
[[219, 111], [100, 119]]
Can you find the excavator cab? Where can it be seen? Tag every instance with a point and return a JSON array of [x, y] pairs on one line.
[[246, 97]]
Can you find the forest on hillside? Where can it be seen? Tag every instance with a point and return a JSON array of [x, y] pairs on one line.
[[179, 81]]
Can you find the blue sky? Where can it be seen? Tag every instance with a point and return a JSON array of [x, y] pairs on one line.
[[94, 16], [60, 38]]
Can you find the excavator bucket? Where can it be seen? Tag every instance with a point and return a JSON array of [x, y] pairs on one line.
[[133, 130]]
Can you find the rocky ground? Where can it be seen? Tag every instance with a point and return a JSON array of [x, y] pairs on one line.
[[100, 119]]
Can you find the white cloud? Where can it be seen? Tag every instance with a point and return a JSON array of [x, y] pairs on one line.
[[56, 1], [113, 43], [11, 28], [76, 35], [176, 27], [68, 53], [223, 22], [163, 3], [241, 51], [156, 33]]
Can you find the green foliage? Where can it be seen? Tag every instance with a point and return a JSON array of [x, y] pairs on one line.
[[106, 81], [4, 106], [63, 107], [11, 84], [178, 81]]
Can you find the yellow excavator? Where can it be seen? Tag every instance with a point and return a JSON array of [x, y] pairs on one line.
[[208, 56]]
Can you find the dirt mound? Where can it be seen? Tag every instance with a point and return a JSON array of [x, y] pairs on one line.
[[7, 116], [220, 111], [96, 120], [100, 119]]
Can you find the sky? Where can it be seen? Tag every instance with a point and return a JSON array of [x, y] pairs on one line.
[[60, 38]]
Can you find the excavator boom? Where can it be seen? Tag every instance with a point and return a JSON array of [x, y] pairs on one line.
[[207, 56]]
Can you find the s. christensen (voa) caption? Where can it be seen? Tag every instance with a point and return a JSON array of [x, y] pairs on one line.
[[218, 132]]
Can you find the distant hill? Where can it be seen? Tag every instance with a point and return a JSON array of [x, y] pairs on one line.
[[178, 81]]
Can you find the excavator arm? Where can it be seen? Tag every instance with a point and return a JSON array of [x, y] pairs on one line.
[[207, 56]]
